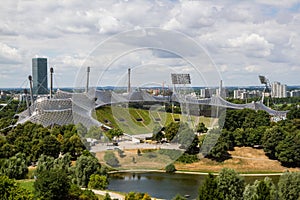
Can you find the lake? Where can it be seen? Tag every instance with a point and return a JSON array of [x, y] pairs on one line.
[[163, 185]]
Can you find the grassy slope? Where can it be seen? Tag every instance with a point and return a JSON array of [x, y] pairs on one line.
[[126, 119], [27, 184]]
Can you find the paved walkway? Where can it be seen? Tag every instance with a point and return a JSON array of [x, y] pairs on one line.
[[113, 195]]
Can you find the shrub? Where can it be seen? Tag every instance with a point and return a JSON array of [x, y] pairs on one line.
[[170, 168], [98, 182]]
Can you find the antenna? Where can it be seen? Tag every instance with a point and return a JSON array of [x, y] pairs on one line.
[[87, 79], [129, 86], [51, 81]]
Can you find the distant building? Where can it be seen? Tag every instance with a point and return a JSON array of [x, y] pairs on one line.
[[2, 95], [237, 94], [39, 76], [294, 93], [278, 90], [245, 94], [207, 92]]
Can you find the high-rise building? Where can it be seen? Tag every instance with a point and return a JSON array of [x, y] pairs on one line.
[[278, 90], [39, 75]]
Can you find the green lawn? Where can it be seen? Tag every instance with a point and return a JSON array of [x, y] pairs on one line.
[[27, 184], [127, 119]]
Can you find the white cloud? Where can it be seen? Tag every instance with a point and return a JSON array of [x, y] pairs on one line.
[[252, 44], [240, 36], [252, 68], [9, 54]]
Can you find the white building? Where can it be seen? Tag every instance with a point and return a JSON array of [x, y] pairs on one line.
[[246, 94], [238, 93], [278, 90], [294, 93]]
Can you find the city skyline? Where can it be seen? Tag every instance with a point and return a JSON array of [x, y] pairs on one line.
[[243, 39]]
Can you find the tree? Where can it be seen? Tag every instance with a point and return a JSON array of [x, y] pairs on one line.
[[271, 139], [171, 130], [98, 182], [112, 133], [137, 196], [157, 133], [254, 135], [294, 112], [201, 128], [209, 189], [94, 132], [11, 190], [76, 193], [170, 168], [260, 190], [88, 195], [107, 197], [85, 167], [240, 137], [230, 184], [216, 146], [288, 150], [288, 186], [73, 145], [193, 148], [81, 129], [50, 146], [44, 163], [52, 184], [15, 167]]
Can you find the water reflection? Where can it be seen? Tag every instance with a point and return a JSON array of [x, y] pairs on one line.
[[164, 185]]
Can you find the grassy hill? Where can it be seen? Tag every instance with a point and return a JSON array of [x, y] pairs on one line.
[[138, 121]]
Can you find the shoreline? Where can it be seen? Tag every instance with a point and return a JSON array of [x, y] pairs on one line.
[[190, 172]]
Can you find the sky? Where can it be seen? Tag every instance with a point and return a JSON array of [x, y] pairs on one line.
[[212, 40]]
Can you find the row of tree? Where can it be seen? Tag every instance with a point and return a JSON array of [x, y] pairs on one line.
[[57, 178], [230, 185]]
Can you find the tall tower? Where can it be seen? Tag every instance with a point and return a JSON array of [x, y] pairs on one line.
[[129, 86], [39, 75]]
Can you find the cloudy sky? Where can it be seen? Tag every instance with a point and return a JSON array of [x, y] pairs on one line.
[[234, 40]]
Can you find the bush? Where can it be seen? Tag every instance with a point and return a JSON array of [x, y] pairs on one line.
[[137, 196], [88, 195], [186, 158], [107, 197], [85, 167], [52, 184], [98, 182], [170, 168], [10, 189], [288, 186]]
